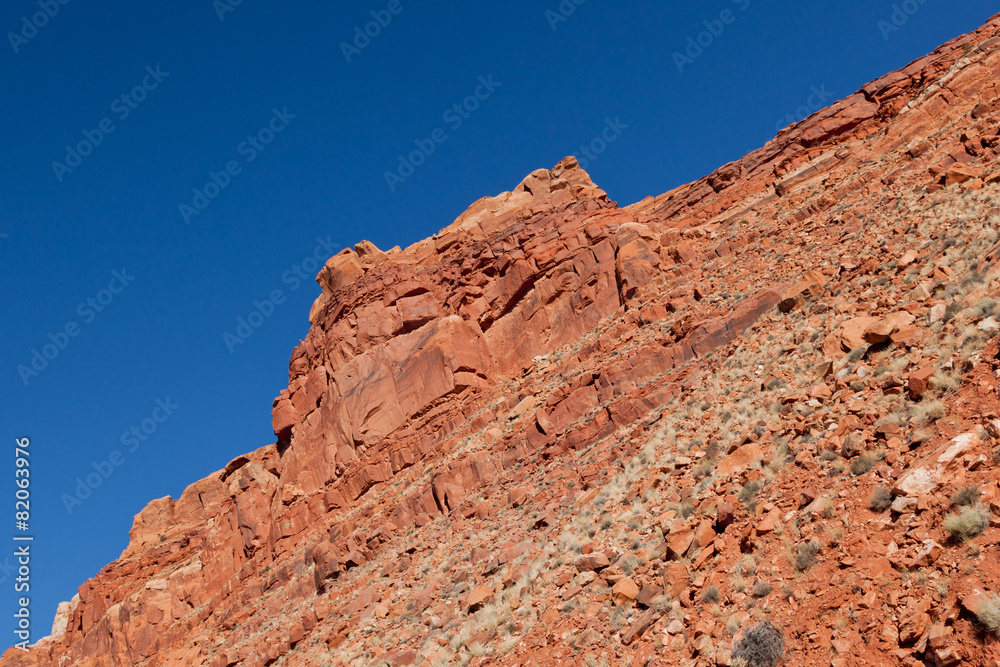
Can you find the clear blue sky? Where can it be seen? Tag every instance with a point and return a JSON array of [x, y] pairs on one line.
[[158, 333]]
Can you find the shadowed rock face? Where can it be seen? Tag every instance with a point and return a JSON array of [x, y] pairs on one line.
[[533, 342]]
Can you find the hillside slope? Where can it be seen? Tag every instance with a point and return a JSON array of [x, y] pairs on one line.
[[564, 432]]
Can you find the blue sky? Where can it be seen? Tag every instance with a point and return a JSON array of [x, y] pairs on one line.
[[252, 116]]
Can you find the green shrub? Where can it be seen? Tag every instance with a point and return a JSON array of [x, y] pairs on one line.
[[763, 645]]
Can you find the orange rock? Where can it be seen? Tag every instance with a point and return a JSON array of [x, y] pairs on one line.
[[625, 591], [739, 459], [852, 332], [919, 382], [809, 286], [592, 562], [678, 543], [478, 598], [960, 173]]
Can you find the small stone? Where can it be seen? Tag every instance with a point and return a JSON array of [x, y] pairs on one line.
[[478, 598], [919, 382], [625, 591], [989, 325], [674, 628], [937, 636], [937, 313], [592, 562]]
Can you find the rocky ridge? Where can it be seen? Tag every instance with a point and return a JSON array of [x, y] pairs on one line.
[[561, 431]]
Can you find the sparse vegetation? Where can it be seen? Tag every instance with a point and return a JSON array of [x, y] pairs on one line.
[[703, 469], [661, 603], [762, 589], [880, 499], [763, 645], [711, 595], [857, 354], [805, 555], [628, 564], [862, 464], [967, 495], [928, 409], [968, 523], [989, 614], [748, 494]]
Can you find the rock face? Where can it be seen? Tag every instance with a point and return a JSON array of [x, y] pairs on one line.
[[558, 419]]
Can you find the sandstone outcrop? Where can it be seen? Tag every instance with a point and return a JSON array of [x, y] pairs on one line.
[[560, 428]]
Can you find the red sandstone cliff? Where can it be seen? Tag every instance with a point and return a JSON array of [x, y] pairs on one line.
[[530, 436]]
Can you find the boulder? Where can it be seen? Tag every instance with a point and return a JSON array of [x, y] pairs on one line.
[[809, 286]]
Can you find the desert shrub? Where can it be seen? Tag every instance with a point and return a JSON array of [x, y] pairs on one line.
[[661, 603], [749, 492], [763, 645], [805, 555], [711, 595], [967, 495], [702, 469], [862, 464], [928, 409], [968, 523], [880, 500], [952, 310], [986, 307], [989, 614], [762, 589], [629, 563]]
